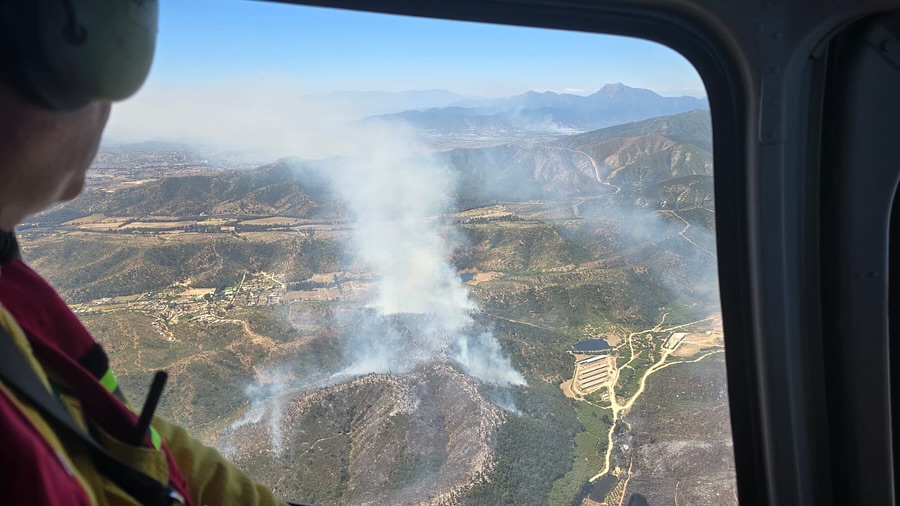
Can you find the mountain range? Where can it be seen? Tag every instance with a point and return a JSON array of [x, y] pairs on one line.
[[368, 103], [548, 111], [637, 155]]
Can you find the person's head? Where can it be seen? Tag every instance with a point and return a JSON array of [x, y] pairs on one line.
[[62, 62], [44, 154]]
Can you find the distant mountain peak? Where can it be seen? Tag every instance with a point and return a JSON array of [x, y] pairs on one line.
[[549, 112], [615, 87], [614, 90]]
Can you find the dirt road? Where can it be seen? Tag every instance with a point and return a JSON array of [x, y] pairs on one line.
[[619, 410]]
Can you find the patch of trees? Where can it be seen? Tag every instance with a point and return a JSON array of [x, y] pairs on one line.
[[244, 227], [535, 449], [307, 285]]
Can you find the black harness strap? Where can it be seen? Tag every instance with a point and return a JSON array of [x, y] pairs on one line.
[[9, 246], [17, 373]]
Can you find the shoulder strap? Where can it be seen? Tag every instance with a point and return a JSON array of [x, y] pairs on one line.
[[18, 374], [9, 246]]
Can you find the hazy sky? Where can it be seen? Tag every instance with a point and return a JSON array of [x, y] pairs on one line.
[[265, 56]]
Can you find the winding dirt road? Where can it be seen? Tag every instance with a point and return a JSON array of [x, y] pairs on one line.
[[687, 226], [619, 410]]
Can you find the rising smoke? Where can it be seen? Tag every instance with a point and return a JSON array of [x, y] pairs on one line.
[[397, 194], [267, 400]]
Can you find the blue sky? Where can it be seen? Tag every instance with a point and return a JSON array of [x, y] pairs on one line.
[[202, 42], [245, 72]]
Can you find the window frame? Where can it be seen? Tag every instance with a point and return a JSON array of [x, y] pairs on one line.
[[764, 67]]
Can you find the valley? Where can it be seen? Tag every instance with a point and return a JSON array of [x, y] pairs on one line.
[[247, 287]]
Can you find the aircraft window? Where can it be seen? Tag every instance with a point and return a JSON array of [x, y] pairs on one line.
[[894, 332], [391, 260], [893, 310]]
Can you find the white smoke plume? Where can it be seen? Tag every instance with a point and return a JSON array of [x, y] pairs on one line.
[[397, 194], [480, 356], [267, 399]]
